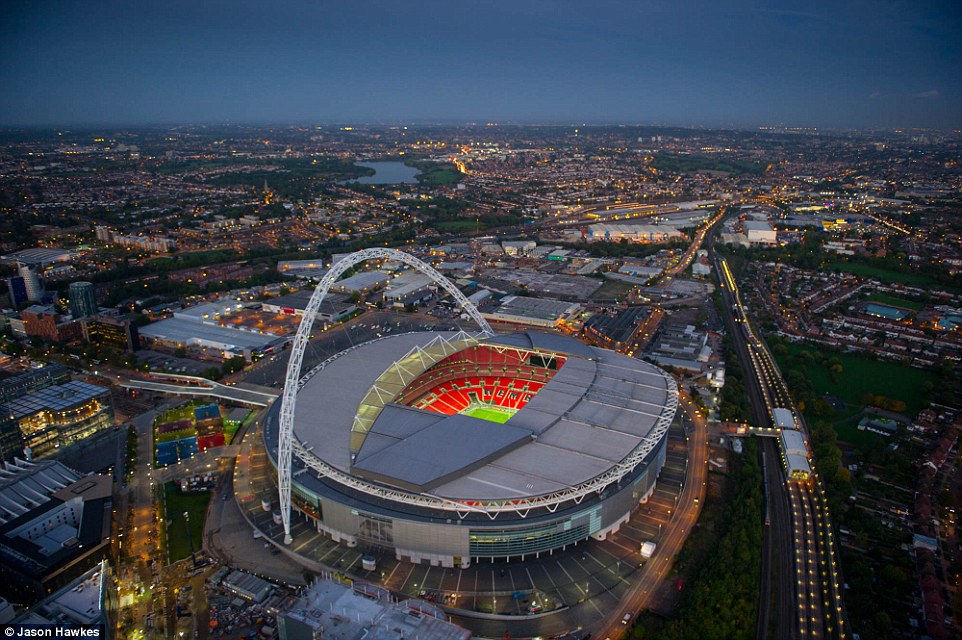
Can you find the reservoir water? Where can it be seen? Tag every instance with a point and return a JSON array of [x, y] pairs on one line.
[[387, 172]]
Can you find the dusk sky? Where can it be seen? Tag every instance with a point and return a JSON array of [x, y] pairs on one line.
[[713, 63]]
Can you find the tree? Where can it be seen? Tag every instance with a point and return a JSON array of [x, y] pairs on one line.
[[233, 365]]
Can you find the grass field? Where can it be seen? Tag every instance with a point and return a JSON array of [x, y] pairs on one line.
[[892, 301], [491, 415], [455, 225], [441, 176], [685, 164], [183, 412], [176, 504], [884, 275], [848, 432], [862, 375]]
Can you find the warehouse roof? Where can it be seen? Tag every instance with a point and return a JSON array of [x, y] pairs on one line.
[[192, 332]]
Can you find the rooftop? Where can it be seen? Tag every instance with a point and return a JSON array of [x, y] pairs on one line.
[[24, 485], [366, 611], [535, 308], [186, 331], [56, 398], [595, 411]]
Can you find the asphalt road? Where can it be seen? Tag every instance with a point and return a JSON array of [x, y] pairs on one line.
[[639, 596]]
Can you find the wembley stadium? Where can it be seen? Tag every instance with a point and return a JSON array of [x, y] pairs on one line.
[[450, 448]]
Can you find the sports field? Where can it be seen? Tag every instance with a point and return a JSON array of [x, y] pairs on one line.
[[490, 414]]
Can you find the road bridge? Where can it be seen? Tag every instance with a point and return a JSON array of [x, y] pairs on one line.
[[246, 394]]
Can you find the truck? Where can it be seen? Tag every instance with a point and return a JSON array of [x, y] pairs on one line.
[[648, 549]]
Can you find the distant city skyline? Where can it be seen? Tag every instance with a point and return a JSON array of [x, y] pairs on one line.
[[733, 64]]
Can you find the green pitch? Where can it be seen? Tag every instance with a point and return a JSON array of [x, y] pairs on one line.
[[491, 415]]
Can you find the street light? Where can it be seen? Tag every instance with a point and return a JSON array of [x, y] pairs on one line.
[[190, 539]]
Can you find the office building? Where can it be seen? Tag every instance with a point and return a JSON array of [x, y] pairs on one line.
[[17, 290], [54, 527], [57, 415], [82, 301], [114, 333], [31, 281]]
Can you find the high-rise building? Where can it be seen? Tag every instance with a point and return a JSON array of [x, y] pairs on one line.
[[18, 291], [83, 304], [31, 281]]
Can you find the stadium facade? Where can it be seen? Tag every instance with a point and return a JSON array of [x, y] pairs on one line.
[[390, 453], [450, 448]]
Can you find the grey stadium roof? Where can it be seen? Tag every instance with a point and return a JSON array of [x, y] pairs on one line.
[[593, 414]]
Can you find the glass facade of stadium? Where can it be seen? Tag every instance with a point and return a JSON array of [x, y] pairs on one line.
[[449, 539]]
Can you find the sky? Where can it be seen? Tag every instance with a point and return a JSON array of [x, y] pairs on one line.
[[719, 63]]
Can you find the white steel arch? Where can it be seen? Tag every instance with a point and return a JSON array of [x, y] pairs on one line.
[[286, 426]]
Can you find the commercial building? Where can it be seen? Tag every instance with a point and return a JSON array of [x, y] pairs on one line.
[[197, 328], [20, 385], [156, 244], [83, 303], [54, 527], [681, 347], [209, 339], [615, 331], [409, 288], [58, 415], [297, 267], [31, 281], [518, 247], [11, 441], [17, 291], [81, 602], [642, 233], [42, 256], [334, 308], [536, 312], [363, 282], [112, 332], [334, 611], [701, 266], [759, 232], [640, 271], [44, 322], [247, 586]]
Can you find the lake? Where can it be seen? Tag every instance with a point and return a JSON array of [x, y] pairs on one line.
[[387, 172]]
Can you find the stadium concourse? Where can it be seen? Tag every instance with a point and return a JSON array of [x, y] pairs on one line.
[[448, 448]]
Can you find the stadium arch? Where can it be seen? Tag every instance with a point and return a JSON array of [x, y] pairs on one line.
[[291, 379]]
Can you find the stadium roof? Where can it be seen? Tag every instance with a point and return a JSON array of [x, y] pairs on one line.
[[597, 410], [431, 448]]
